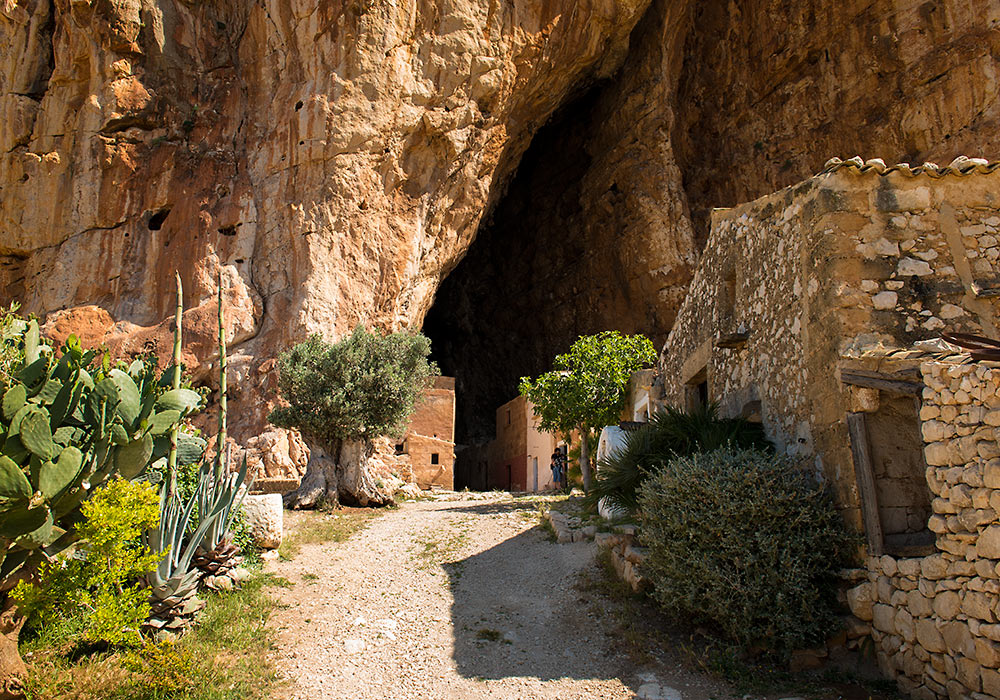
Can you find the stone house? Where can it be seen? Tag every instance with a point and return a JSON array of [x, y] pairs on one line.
[[804, 313], [520, 455], [429, 441]]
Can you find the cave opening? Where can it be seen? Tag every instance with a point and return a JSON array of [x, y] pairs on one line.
[[518, 298]]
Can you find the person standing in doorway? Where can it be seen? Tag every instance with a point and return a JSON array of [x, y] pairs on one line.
[[556, 467]]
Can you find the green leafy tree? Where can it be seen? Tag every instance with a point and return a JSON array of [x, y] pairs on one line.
[[344, 395], [586, 388]]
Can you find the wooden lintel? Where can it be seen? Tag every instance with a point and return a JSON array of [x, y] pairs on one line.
[[893, 386], [732, 341]]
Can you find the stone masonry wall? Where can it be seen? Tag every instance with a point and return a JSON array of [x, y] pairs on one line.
[[935, 618]]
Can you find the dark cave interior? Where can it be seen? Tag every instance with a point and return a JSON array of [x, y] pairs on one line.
[[514, 301]]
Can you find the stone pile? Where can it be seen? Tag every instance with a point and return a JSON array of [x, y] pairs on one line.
[[626, 555], [569, 527]]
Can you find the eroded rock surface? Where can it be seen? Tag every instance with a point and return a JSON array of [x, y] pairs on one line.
[[337, 159]]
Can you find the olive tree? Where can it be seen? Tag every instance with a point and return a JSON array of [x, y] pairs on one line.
[[342, 396], [586, 387]]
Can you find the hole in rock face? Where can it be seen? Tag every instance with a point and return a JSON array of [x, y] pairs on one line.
[[157, 219], [532, 281]]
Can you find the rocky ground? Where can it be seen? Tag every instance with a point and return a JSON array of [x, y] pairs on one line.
[[460, 598]]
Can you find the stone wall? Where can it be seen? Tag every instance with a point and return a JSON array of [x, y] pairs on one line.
[[935, 618], [798, 311]]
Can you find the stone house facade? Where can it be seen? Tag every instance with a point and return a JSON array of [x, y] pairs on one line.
[[429, 441], [803, 314], [520, 455]]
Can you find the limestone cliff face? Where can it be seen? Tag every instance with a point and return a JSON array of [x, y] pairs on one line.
[[337, 158], [717, 103], [334, 157]]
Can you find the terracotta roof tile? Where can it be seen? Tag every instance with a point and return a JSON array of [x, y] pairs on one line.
[[961, 166]]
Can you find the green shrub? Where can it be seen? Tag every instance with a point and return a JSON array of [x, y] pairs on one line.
[[157, 671], [362, 387], [668, 434], [741, 539], [97, 592]]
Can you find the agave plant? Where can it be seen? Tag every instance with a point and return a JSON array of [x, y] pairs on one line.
[[208, 548]]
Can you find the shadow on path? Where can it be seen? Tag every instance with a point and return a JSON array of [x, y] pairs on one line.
[[516, 612]]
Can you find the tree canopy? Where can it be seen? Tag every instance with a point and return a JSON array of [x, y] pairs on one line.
[[586, 387], [359, 388]]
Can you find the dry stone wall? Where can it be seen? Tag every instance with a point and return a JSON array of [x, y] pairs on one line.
[[800, 291], [936, 619]]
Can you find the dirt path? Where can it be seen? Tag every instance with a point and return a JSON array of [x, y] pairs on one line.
[[457, 599]]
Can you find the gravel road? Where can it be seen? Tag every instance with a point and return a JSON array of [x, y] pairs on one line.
[[458, 599]]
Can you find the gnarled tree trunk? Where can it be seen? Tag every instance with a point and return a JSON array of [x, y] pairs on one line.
[[339, 473], [585, 457], [12, 670]]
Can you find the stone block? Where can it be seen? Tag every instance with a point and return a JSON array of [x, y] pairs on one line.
[[968, 673], [987, 652], [884, 589], [918, 604], [991, 682], [935, 567], [947, 605], [988, 545], [979, 606], [991, 472], [904, 625], [937, 454], [908, 567], [986, 568], [958, 638], [860, 601], [884, 618], [264, 515]]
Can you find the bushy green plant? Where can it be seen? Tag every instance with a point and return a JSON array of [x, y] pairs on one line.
[[668, 434], [69, 423], [243, 538], [744, 540], [360, 388], [161, 670], [98, 590], [586, 388]]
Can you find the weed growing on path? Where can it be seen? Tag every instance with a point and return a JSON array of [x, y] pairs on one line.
[[312, 527], [434, 551]]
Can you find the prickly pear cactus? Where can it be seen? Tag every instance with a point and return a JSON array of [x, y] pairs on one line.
[[67, 425]]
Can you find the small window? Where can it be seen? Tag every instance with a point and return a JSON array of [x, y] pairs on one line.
[[696, 391], [727, 296], [434, 458], [399, 448], [508, 416]]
